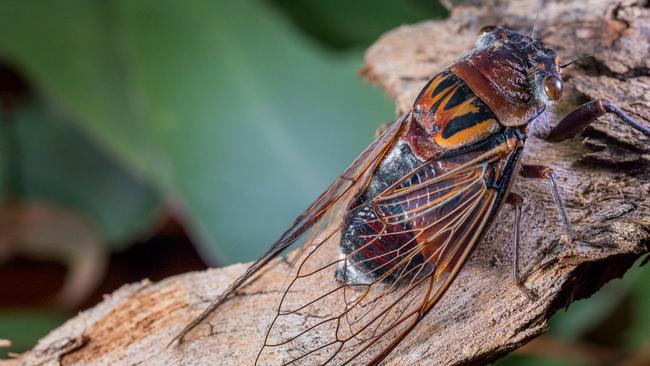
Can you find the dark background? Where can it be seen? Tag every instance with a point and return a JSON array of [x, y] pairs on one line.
[[141, 139]]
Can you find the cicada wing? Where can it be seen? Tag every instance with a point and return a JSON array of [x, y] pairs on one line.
[[355, 176], [361, 286], [348, 184]]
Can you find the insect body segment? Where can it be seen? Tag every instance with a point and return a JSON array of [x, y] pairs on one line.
[[414, 211], [452, 113]]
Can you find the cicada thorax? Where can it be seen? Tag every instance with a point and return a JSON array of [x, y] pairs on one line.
[[450, 115], [499, 76]]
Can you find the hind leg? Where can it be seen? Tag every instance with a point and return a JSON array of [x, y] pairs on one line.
[[544, 172]]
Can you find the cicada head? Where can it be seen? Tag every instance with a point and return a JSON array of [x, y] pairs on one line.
[[514, 74], [538, 62]]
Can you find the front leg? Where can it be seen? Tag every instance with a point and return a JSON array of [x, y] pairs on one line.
[[584, 115], [544, 172]]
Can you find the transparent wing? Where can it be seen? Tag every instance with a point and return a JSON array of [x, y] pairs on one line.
[[353, 179], [363, 284]]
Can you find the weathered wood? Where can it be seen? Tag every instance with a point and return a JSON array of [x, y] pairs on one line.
[[604, 177]]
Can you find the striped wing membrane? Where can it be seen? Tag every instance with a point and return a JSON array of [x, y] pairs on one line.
[[386, 264], [316, 216]]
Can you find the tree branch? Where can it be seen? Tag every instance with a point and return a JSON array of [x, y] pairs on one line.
[[604, 178]]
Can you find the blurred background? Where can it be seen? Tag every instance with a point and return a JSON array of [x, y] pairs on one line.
[[142, 139]]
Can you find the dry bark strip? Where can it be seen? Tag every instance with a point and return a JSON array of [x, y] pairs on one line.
[[604, 176]]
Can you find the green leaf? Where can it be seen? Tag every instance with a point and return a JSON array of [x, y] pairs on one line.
[[639, 334], [521, 360], [584, 315], [218, 103], [342, 23], [58, 164], [24, 328]]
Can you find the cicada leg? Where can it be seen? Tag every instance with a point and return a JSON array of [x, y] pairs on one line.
[[517, 202], [544, 172], [584, 115]]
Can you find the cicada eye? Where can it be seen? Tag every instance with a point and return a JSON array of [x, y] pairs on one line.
[[487, 29], [553, 87]]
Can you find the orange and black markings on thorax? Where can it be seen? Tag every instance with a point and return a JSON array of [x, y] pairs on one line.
[[452, 113]]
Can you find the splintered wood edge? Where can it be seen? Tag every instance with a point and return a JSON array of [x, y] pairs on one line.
[[483, 316]]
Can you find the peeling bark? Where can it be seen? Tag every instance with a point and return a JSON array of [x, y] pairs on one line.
[[604, 177]]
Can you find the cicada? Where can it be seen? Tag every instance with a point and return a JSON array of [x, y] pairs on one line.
[[381, 246]]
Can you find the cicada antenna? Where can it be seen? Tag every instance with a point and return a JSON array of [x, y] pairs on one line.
[[574, 61], [568, 63], [532, 29]]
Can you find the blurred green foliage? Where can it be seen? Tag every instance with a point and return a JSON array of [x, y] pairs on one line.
[[236, 113], [343, 24], [44, 158], [615, 319], [639, 334], [55, 162], [221, 106], [25, 327]]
